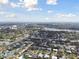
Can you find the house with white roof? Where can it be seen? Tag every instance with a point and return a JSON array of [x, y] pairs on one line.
[[46, 56], [54, 57], [40, 55]]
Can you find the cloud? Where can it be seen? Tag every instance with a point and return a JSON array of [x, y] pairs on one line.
[[50, 11], [30, 3], [66, 15], [4, 1], [47, 18], [21, 0], [52, 2], [13, 5], [34, 9], [2, 12], [11, 15]]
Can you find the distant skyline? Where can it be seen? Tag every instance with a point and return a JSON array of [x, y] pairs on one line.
[[39, 10]]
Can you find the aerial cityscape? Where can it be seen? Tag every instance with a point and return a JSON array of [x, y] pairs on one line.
[[39, 29], [39, 41]]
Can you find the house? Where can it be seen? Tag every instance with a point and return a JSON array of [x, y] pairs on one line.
[[63, 57], [55, 50], [14, 27], [40, 55], [54, 57], [46, 56], [21, 57], [35, 56]]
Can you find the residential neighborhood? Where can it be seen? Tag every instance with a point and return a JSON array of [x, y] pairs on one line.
[[37, 42]]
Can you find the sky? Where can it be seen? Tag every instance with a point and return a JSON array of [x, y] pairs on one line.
[[39, 10]]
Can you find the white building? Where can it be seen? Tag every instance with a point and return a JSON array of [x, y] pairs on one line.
[[54, 57], [46, 56], [14, 27], [40, 55], [21, 57]]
